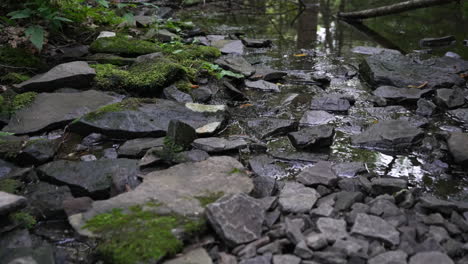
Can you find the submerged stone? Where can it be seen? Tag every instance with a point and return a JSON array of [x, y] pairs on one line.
[[262, 85], [458, 147], [267, 127], [236, 64], [314, 118], [312, 137], [329, 103], [400, 94], [75, 74]]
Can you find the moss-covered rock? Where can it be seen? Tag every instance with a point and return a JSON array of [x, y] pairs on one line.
[[14, 78], [140, 235], [123, 45], [144, 79], [22, 100], [19, 58], [127, 104], [10, 185], [110, 59]]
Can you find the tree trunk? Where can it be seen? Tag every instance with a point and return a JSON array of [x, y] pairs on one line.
[[392, 9]]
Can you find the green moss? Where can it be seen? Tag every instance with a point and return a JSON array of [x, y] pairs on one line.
[[14, 78], [184, 86], [123, 45], [209, 198], [22, 100], [236, 170], [19, 58], [127, 104], [23, 219], [139, 235], [10, 185], [9, 149], [110, 77]]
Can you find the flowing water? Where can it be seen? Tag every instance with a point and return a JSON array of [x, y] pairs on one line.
[[311, 40]]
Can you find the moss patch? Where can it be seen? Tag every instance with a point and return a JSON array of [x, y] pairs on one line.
[[139, 235], [127, 104], [209, 198], [123, 45], [19, 58], [23, 219], [23, 100], [10, 185], [14, 78]]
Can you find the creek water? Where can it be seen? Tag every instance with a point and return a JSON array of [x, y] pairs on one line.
[[312, 40]]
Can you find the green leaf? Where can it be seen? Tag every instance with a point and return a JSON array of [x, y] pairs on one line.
[[129, 18], [36, 36], [63, 19], [104, 3], [25, 13], [121, 5]]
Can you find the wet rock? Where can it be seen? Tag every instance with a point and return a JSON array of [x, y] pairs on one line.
[[301, 250], [56, 110], [296, 198], [430, 258], [6, 168], [449, 98], [316, 241], [388, 185], [265, 259], [437, 42], [136, 148], [293, 230], [344, 200], [152, 119], [389, 134], [180, 133], [434, 204], [236, 64], [229, 46], [77, 205], [329, 103], [257, 43], [262, 85], [268, 127], [172, 93], [400, 94], [264, 186], [75, 74], [376, 228], [106, 34], [401, 71], [18, 238], [217, 145], [460, 115], [312, 137], [265, 166], [390, 257], [92, 178], [38, 151], [332, 229], [351, 247], [10, 203], [194, 155], [268, 74], [320, 174], [232, 227], [194, 256], [45, 200], [425, 108], [373, 50], [349, 169], [202, 94], [286, 259], [177, 188], [458, 147], [43, 255], [314, 118]]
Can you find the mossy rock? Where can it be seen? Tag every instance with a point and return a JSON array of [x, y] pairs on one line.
[[144, 79], [23, 100], [10, 146], [104, 58], [123, 45], [10, 185], [14, 78], [19, 58], [140, 234], [127, 104]]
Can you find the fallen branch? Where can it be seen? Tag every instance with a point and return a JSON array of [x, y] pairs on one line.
[[393, 9]]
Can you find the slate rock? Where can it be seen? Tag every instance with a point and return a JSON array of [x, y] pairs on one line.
[[434, 204], [286, 259], [151, 119], [264, 186], [92, 178], [315, 118], [458, 147], [388, 185], [316, 241], [172, 93], [390, 257], [320, 174], [376, 228], [389, 134], [301, 250], [267, 127], [10, 203], [401, 71], [136, 148], [256, 43], [217, 145], [236, 64], [229, 46], [177, 188], [265, 259], [312, 137], [264, 166], [460, 115], [268, 74], [400, 94], [164, 35], [150, 57], [296, 198], [75, 74], [232, 227], [449, 98], [344, 200], [194, 256], [349, 169], [330, 103], [365, 50], [331, 228], [28, 255], [180, 133], [17, 238], [262, 85], [425, 108], [38, 152], [430, 258], [45, 200], [202, 94], [57, 109], [5, 168]]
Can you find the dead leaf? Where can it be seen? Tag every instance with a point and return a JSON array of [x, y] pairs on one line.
[[194, 86], [300, 55], [464, 75], [419, 86], [245, 105]]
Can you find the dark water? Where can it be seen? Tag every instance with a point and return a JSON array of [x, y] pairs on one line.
[[312, 39]]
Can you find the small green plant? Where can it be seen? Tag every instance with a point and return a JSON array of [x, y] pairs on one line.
[[219, 72], [14, 78], [23, 219], [236, 170], [209, 198], [23, 100], [139, 235], [10, 185]]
